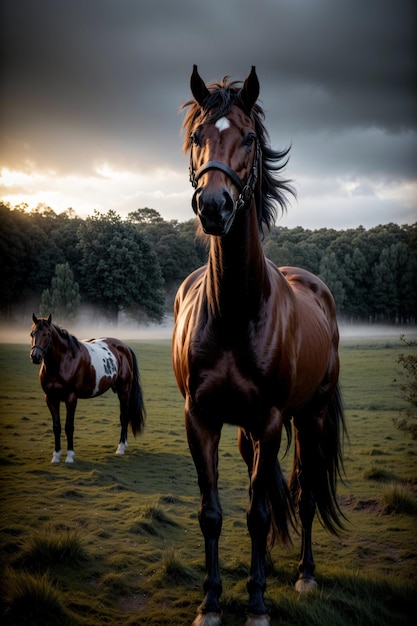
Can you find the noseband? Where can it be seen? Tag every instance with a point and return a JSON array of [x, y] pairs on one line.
[[245, 190]]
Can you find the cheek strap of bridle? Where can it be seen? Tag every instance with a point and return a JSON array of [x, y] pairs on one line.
[[43, 350], [245, 191]]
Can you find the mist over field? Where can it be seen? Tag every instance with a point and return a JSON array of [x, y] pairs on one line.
[[92, 324]]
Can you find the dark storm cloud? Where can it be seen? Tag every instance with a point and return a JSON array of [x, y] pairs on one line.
[[101, 80]]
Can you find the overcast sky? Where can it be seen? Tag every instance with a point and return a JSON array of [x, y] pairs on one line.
[[91, 90]]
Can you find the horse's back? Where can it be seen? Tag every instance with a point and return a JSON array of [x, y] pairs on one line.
[[305, 283]]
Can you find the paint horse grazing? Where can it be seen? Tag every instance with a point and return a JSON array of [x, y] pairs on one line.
[[73, 369], [253, 345]]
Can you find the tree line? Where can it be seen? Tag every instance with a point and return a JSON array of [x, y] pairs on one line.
[[60, 261]]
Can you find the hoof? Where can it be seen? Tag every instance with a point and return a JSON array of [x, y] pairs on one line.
[[121, 449], [305, 585], [56, 457], [207, 619], [258, 620], [70, 456]]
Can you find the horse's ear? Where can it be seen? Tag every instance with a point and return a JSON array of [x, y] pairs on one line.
[[34, 318], [198, 87], [250, 90], [50, 318]]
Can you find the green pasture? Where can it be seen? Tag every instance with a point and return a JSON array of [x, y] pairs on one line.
[[115, 540]]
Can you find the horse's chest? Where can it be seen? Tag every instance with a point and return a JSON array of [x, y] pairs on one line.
[[225, 383]]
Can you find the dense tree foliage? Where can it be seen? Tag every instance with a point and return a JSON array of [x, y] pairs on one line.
[[63, 298], [135, 265], [120, 268]]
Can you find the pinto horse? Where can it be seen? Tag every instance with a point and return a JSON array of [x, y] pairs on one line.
[[253, 345], [73, 369]]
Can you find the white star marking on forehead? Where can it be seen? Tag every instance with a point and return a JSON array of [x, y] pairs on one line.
[[222, 124]]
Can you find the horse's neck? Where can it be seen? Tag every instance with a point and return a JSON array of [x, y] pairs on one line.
[[57, 350], [237, 274]]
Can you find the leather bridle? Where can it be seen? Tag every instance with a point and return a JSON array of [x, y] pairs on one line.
[[245, 190], [43, 350]]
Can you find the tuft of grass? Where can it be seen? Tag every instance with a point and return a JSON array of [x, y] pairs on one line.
[[380, 475], [397, 499], [152, 521], [43, 549], [175, 571], [115, 582], [156, 514], [32, 601]]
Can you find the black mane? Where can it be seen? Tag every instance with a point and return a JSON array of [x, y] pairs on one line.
[[218, 104], [73, 342]]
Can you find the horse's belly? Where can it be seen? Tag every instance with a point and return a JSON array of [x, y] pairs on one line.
[[105, 367]]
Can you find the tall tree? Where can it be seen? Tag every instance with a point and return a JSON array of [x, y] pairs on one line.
[[63, 298], [120, 269], [334, 277]]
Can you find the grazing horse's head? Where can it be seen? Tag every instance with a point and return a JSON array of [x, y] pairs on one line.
[[224, 152], [41, 338], [231, 159]]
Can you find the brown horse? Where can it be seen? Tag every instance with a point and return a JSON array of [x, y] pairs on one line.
[[253, 345], [73, 369]]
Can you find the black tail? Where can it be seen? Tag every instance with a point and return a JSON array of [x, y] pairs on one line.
[[322, 465], [280, 503], [136, 410]]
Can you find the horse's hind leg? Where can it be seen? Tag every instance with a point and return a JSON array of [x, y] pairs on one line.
[[306, 460], [124, 422]]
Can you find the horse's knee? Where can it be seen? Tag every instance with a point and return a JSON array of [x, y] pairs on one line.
[[210, 518], [258, 517]]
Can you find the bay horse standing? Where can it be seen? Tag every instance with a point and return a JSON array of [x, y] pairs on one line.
[[253, 345], [73, 369]]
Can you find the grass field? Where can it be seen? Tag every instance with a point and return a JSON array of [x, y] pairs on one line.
[[115, 540]]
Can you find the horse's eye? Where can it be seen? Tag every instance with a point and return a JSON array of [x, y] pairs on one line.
[[248, 140], [194, 139]]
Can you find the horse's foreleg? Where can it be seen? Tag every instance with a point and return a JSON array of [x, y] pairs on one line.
[[203, 443], [71, 404], [53, 406], [265, 451]]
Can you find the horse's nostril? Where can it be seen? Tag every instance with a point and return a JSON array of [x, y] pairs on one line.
[[229, 203]]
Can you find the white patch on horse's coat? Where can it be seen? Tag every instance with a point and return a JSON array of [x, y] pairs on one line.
[[305, 585], [121, 447], [103, 361], [56, 457], [222, 123], [207, 619], [70, 456]]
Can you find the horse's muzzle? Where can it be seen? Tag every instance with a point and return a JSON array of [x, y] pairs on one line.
[[216, 212], [36, 355]]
